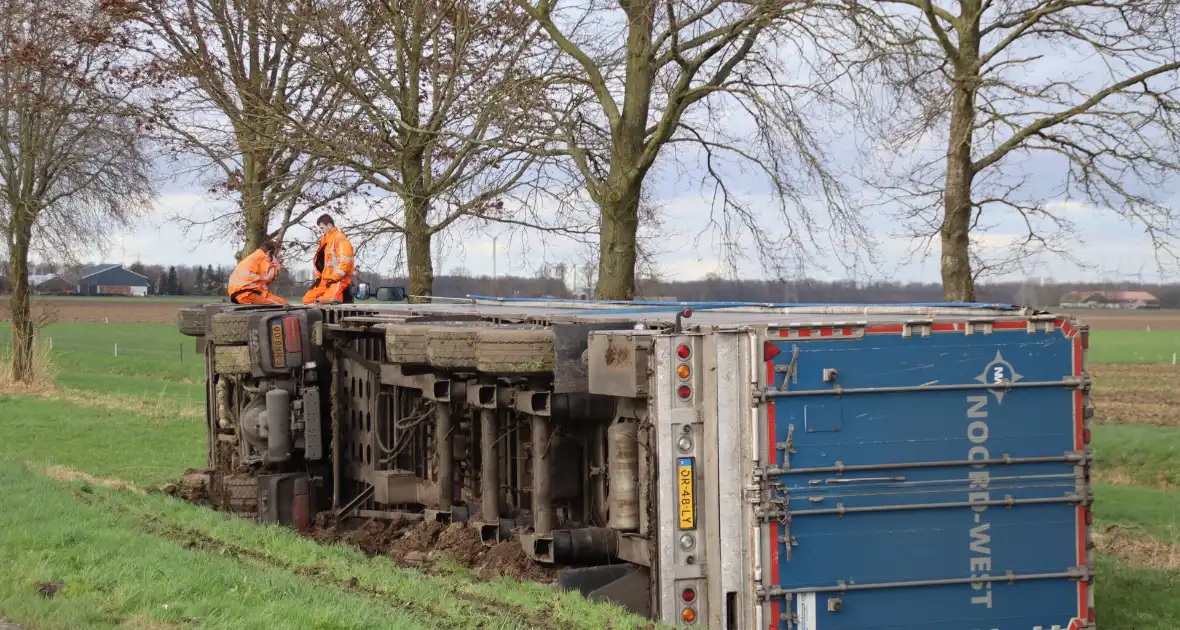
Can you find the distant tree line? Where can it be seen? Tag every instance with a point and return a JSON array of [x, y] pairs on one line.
[[561, 281]]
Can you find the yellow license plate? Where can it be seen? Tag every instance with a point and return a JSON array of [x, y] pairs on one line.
[[685, 498], [276, 345]]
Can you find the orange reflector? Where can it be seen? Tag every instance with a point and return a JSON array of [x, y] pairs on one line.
[[683, 371], [688, 615]]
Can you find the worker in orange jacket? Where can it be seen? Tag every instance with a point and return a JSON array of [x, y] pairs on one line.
[[333, 265], [250, 281]]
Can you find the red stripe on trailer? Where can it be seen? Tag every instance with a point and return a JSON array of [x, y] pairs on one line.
[[847, 332], [1079, 420], [945, 327], [771, 457], [885, 329], [1010, 325], [804, 332], [826, 332]]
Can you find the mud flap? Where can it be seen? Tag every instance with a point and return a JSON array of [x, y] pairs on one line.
[[285, 499], [625, 585]]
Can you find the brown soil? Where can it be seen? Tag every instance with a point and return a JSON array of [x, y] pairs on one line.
[[125, 310], [1128, 320], [507, 559], [423, 545], [1137, 394], [462, 545]]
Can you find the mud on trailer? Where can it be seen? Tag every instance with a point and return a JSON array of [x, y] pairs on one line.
[[731, 466]]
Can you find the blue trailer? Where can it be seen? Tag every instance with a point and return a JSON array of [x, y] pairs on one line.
[[928, 475]]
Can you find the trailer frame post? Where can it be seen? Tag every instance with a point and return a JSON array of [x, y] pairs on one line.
[[543, 515], [444, 437]]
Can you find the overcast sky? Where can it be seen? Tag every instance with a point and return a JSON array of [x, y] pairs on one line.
[[1108, 246], [1114, 249]]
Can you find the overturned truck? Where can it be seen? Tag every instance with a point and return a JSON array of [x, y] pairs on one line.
[[722, 465]]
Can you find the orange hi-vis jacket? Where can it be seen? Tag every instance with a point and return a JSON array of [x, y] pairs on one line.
[[334, 258], [254, 273]]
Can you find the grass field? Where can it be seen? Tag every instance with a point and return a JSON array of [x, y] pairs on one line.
[[75, 460]]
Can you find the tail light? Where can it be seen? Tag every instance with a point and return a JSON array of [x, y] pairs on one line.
[[294, 341]]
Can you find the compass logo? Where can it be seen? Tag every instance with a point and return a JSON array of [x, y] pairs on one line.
[[998, 372]]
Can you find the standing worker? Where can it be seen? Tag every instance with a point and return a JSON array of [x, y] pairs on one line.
[[250, 281], [333, 265]]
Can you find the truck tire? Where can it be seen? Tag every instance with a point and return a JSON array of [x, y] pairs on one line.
[[515, 350], [191, 321], [230, 329], [240, 493], [231, 359], [452, 347], [406, 343]]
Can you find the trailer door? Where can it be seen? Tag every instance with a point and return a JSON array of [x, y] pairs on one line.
[[924, 477]]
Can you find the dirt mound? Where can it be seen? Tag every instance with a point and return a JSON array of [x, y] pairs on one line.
[[507, 559], [461, 544], [415, 543], [372, 536]]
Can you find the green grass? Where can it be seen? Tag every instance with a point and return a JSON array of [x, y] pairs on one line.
[[1155, 512], [148, 448], [1137, 598], [155, 351], [1133, 346], [124, 558], [1150, 455]]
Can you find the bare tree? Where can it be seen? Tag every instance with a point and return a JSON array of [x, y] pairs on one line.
[[1037, 104], [442, 91], [233, 88], [71, 161], [639, 75]]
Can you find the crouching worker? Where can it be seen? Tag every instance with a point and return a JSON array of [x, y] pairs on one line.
[[333, 265], [250, 281]]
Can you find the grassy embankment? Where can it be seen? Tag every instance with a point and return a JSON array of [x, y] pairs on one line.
[[71, 472], [129, 559]]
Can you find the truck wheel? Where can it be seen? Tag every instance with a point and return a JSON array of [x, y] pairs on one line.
[[230, 329], [241, 494], [452, 347], [191, 321], [231, 359], [405, 343], [515, 350]]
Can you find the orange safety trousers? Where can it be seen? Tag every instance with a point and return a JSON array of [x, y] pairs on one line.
[[261, 297], [326, 292]]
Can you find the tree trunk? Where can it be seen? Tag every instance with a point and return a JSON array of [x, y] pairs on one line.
[[958, 282], [22, 320], [255, 216], [617, 245], [419, 261]]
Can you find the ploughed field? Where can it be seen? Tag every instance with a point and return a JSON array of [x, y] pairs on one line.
[[89, 541]]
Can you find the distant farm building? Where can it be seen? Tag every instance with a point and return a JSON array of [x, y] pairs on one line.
[[111, 280], [50, 284], [1109, 299]]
